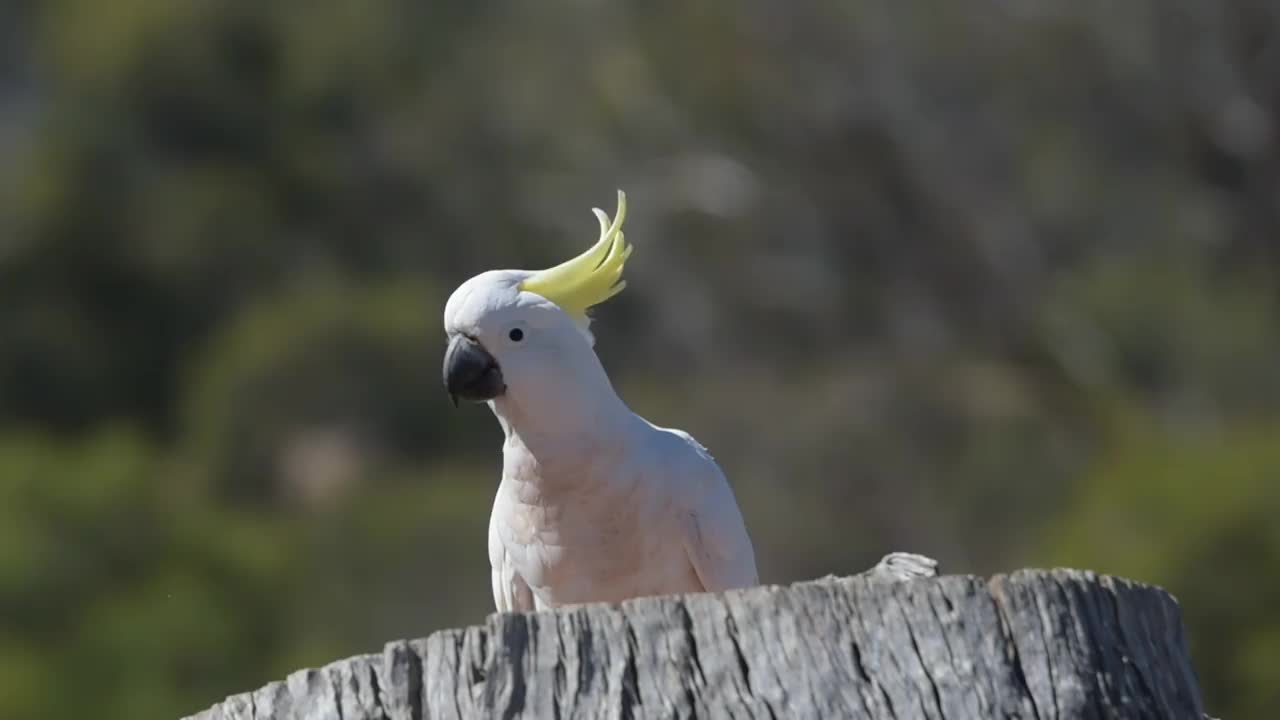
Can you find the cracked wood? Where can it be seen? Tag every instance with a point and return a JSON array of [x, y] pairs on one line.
[[890, 643]]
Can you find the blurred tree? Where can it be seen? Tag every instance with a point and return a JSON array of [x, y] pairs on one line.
[[1195, 510], [323, 369], [108, 573]]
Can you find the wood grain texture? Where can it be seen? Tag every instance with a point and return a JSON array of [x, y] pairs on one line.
[[889, 643]]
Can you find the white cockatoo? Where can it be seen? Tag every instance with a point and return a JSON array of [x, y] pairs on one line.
[[595, 503]]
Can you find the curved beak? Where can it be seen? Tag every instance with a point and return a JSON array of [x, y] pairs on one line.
[[470, 372]]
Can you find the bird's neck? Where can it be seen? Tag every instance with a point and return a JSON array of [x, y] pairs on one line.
[[563, 438]]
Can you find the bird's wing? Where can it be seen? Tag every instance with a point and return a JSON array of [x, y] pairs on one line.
[[510, 592], [715, 536]]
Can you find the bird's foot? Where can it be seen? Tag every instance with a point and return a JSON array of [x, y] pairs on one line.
[[901, 566]]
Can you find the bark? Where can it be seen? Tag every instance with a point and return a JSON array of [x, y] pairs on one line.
[[894, 642]]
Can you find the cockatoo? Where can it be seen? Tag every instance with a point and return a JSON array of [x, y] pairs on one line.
[[596, 504]]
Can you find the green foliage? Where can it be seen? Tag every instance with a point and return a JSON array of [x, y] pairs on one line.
[[1000, 287], [1192, 509], [107, 570], [321, 358]]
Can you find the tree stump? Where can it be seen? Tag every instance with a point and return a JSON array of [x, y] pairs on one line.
[[894, 642]]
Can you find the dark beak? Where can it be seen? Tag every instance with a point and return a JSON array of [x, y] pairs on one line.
[[470, 372]]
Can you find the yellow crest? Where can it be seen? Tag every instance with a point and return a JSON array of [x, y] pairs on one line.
[[592, 277]]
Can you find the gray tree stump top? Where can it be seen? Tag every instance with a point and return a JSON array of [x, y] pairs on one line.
[[889, 643]]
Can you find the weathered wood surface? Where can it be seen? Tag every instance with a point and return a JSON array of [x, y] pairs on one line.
[[884, 644]]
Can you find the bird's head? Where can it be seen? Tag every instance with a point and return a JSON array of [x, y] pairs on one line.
[[525, 334]]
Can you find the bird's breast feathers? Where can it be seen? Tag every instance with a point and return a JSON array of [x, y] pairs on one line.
[[616, 530]]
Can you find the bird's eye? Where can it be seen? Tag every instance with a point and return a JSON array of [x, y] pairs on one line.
[[516, 334]]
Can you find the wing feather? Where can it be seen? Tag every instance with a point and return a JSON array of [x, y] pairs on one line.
[[510, 592], [715, 535]]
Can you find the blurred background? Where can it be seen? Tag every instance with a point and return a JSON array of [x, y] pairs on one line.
[[997, 282]]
